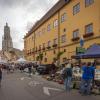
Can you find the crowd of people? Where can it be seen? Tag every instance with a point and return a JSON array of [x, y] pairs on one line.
[[87, 78], [11, 67]]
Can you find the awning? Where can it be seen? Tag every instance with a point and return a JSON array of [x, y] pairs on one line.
[[92, 52]]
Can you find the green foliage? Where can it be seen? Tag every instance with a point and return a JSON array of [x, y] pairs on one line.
[[40, 56], [59, 54], [37, 58]]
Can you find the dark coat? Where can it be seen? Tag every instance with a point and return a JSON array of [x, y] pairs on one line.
[[0, 74]]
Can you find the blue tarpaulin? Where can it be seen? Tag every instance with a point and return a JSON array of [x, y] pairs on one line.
[[92, 52]]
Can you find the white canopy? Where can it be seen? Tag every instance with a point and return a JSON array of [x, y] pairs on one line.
[[21, 60], [2, 61]]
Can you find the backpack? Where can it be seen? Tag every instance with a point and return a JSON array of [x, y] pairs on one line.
[[67, 72]]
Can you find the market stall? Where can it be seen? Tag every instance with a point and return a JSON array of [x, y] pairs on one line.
[[93, 53]]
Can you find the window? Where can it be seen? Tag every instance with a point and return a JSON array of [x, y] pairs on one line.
[[88, 2], [64, 30], [54, 52], [76, 9], [35, 34], [63, 38], [39, 33], [76, 33], [48, 27], [64, 50], [45, 60], [63, 17], [39, 47], [49, 43], [32, 38], [56, 23], [55, 41], [43, 30], [43, 44], [89, 28]]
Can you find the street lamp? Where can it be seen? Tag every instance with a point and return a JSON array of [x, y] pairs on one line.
[[81, 42]]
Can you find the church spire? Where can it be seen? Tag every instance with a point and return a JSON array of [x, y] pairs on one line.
[[7, 43], [6, 24]]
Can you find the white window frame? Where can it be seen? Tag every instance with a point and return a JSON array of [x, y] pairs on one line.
[[43, 44], [63, 17], [88, 2], [55, 23], [89, 28], [55, 41], [63, 38], [76, 33], [76, 9], [49, 27], [43, 30], [49, 43]]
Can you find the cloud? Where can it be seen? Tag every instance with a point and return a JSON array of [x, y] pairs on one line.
[[29, 25], [21, 15], [14, 3]]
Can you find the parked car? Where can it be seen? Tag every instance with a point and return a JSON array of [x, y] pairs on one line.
[[44, 69]]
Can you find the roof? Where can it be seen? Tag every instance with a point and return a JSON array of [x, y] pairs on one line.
[[50, 13]]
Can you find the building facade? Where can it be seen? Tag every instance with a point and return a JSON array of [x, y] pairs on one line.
[[58, 33], [7, 43]]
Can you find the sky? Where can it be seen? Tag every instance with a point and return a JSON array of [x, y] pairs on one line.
[[20, 16]]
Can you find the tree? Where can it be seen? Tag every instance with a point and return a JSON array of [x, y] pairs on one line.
[[59, 54], [39, 57], [58, 57]]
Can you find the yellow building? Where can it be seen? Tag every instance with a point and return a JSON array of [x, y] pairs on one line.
[[60, 30]]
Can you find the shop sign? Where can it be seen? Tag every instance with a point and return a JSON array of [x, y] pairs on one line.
[[80, 50]]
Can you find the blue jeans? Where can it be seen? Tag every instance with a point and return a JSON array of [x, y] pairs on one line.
[[86, 86], [68, 83]]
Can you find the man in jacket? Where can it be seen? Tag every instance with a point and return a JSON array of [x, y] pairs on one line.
[[68, 76], [87, 77]]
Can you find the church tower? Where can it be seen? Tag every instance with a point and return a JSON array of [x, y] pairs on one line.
[[7, 44]]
